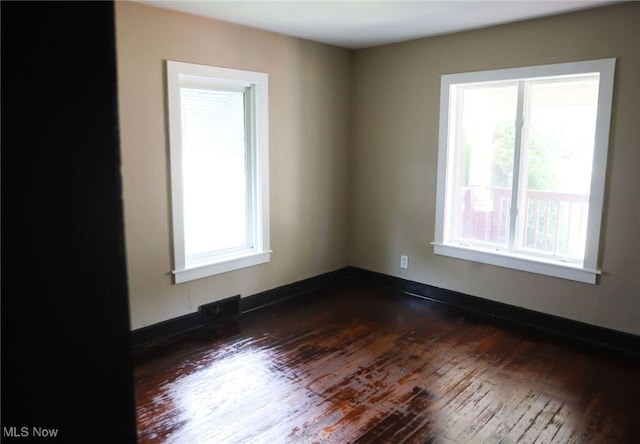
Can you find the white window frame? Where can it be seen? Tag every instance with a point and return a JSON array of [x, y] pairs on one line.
[[257, 146], [586, 271]]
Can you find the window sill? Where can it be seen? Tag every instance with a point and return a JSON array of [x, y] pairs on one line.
[[558, 269], [222, 265]]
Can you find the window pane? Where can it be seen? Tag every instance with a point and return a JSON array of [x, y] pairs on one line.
[[484, 168], [559, 155], [214, 176]]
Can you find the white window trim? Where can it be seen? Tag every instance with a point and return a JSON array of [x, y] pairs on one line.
[[259, 252], [587, 271]]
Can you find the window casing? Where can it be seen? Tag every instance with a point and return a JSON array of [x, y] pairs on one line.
[[218, 123], [521, 167]]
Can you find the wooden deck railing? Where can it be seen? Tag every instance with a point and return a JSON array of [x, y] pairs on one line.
[[554, 222]]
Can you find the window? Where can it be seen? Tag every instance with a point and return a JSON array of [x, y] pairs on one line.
[[219, 169], [522, 159]]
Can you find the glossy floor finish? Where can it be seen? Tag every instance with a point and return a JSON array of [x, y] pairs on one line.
[[362, 365]]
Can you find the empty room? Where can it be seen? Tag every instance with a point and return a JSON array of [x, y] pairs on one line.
[[363, 317], [373, 311], [341, 222]]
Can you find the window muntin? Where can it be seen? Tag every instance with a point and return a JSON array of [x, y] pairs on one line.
[[521, 166], [219, 169]]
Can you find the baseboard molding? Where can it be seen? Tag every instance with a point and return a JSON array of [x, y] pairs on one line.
[[573, 330], [561, 327], [171, 328], [166, 329], [293, 290]]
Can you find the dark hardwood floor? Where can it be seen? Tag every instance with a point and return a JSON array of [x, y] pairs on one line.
[[361, 364]]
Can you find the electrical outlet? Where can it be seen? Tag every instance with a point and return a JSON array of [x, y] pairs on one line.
[[404, 262]]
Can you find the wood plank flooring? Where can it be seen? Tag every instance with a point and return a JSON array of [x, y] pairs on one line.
[[359, 364]]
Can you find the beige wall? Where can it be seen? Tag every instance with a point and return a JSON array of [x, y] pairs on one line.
[[395, 145], [353, 157], [309, 89]]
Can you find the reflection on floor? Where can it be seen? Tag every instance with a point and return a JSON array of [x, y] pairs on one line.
[[360, 364]]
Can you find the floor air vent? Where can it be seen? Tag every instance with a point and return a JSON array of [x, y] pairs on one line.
[[220, 311]]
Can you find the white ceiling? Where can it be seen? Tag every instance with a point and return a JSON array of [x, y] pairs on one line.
[[358, 24]]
